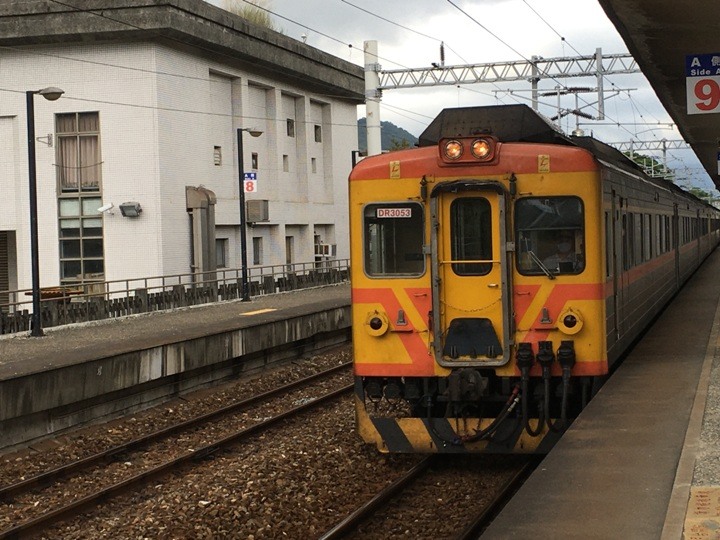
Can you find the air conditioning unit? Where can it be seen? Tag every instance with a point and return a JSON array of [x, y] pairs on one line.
[[256, 211], [325, 250]]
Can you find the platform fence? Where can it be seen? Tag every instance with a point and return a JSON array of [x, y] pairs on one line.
[[96, 300]]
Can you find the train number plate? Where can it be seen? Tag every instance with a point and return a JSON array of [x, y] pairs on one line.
[[394, 212]]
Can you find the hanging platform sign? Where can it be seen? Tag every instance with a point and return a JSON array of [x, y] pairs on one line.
[[250, 182], [702, 76]]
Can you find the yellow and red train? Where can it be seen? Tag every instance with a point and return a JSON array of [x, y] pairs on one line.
[[498, 272]]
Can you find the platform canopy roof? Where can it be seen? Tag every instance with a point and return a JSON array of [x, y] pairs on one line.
[[661, 35]]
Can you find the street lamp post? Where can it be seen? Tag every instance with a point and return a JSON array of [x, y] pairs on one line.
[[51, 94], [243, 230]]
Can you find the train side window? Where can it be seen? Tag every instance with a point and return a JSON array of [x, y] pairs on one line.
[[550, 235], [393, 239]]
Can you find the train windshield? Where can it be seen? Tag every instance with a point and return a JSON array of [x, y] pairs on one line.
[[393, 239], [549, 235]]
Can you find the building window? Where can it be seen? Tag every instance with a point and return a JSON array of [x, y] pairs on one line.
[[289, 247], [257, 250], [78, 153], [286, 163], [318, 133], [313, 164], [217, 155], [221, 250], [80, 224], [81, 240], [254, 161], [290, 127]]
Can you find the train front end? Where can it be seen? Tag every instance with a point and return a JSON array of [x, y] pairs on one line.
[[476, 328]]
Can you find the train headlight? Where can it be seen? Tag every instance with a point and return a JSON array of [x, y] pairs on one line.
[[481, 148], [570, 321], [453, 149], [376, 323], [468, 150]]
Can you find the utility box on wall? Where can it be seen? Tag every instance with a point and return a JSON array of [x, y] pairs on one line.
[[256, 211]]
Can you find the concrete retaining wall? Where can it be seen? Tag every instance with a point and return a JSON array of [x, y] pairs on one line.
[[42, 403]]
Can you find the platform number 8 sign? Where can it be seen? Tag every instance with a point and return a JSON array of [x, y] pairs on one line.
[[702, 75], [250, 182]]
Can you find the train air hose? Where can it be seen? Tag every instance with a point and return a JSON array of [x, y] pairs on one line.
[[525, 381], [486, 433], [525, 360], [509, 407], [566, 358]]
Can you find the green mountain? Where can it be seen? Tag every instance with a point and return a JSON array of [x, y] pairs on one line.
[[392, 137]]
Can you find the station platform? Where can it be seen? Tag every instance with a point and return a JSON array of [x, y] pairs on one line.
[[82, 372], [642, 461]]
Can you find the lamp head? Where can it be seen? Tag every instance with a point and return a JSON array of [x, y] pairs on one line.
[[252, 132], [51, 93]]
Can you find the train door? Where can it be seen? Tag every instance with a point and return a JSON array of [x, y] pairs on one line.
[[624, 237], [471, 299]]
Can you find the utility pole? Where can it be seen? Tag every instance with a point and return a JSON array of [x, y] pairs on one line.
[[373, 95]]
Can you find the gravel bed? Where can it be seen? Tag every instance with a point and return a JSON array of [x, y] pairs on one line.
[[443, 502], [27, 506], [80, 443], [294, 481]]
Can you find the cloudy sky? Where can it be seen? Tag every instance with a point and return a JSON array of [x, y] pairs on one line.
[[409, 33]]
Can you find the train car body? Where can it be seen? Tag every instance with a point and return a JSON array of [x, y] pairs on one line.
[[498, 272]]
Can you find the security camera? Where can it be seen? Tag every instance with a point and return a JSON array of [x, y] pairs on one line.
[[106, 207]]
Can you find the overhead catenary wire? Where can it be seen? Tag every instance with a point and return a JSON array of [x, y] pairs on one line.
[[105, 15]]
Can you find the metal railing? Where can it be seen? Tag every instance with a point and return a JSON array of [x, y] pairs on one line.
[[91, 301]]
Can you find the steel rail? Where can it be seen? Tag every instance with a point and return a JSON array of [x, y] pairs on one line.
[[47, 478], [491, 510], [349, 523], [31, 526]]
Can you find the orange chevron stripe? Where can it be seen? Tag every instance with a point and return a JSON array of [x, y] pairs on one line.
[[422, 361], [556, 300]]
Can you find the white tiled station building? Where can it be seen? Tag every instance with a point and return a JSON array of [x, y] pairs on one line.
[[154, 95]]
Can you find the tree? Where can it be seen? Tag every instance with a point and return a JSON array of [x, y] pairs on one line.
[[252, 10], [705, 195], [651, 166], [398, 144]]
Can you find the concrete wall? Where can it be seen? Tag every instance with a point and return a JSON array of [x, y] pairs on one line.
[[39, 403]]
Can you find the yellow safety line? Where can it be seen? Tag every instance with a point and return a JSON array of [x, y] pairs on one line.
[[259, 311]]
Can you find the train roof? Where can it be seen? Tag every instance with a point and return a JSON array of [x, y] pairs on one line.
[[509, 123], [520, 123], [515, 123]]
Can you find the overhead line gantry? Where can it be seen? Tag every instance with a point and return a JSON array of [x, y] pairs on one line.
[[537, 68]]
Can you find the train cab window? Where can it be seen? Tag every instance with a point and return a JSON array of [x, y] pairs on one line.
[[393, 239], [549, 235]]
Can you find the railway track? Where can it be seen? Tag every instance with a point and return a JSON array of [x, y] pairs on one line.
[[372, 514], [29, 493]]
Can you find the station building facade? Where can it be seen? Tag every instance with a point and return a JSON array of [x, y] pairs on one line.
[[156, 97]]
